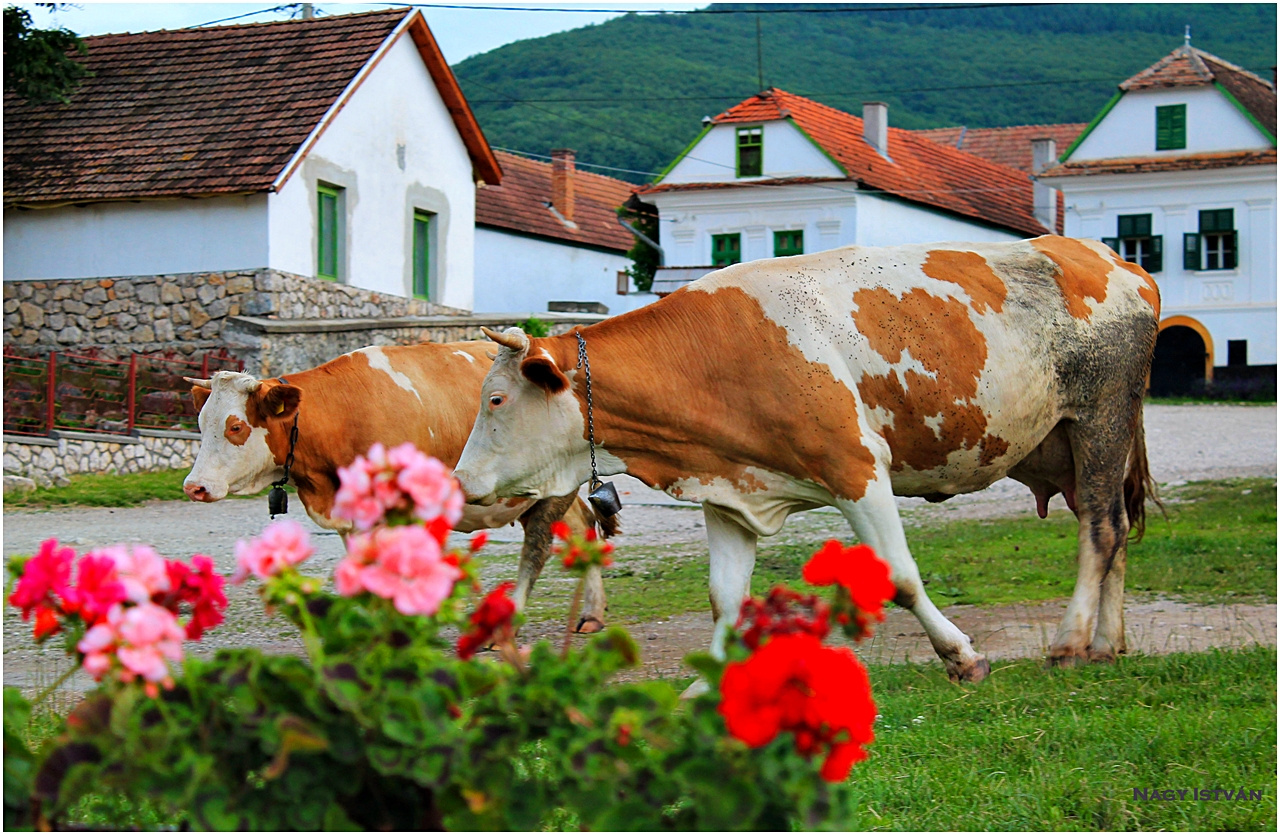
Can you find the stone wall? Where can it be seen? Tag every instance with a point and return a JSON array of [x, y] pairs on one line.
[[49, 461], [184, 313]]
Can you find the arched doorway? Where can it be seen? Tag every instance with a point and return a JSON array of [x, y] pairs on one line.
[[1183, 360]]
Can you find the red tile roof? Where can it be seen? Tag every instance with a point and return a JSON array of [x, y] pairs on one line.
[[522, 204], [1187, 66], [1150, 165], [220, 110], [1009, 146], [918, 170]]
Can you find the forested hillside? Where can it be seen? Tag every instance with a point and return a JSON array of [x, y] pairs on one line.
[[631, 92]]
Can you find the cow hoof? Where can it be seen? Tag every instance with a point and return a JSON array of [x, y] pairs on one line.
[[589, 625], [1067, 658], [973, 672], [1105, 655], [696, 689]]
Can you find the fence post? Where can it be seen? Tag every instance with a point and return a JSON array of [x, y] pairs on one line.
[[204, 366], [133, 388], [53, 388]]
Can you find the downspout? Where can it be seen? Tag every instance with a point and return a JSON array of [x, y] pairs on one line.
[[662, 257]]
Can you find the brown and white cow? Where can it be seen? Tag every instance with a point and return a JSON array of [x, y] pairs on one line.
[[846, 377], [421, 393]]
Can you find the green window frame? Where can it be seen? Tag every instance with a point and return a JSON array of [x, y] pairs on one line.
[[421, 255], [1135, 243], [790, 242], [328, 224], [726, 249], [1171, 127], [750, 152], [1215, 246]]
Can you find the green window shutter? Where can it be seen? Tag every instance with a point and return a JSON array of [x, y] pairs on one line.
[[1190, 251], [750, 152], [726, 249], [1155, 261], [788, 243], [1217, 220], [1171, 127], [1229, 259], [327, 233], [1114, 243], [421, 255]]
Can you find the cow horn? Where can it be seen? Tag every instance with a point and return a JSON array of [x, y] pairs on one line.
[[196, 382], [516, 341]]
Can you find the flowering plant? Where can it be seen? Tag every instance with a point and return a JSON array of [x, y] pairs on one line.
[[393, 720]]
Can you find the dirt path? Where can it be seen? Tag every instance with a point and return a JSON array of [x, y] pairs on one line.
[[1185, 443]]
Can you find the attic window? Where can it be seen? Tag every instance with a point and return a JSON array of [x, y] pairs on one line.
[[750, 152], [1171, 127], [329, 223]]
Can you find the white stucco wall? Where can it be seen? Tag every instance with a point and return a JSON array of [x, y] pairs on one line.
[[143, 238], [787, 153], [1231, 304], [396, 116], [518, 273], [1129, 129], [831, 215]]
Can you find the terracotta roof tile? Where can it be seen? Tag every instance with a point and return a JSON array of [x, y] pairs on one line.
[[1009, 146], [194, 111], [1187, 66], [521, 204], [1149, 165], [918, 170]]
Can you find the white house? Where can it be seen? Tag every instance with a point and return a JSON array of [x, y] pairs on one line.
[[549, 238], [779, 174], [339, 148], [1178, 174]]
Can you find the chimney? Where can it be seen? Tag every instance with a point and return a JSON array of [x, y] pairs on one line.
[[875, 126], [562, 182], [1044, 198]]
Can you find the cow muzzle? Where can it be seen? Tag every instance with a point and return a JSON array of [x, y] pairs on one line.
[[198, 493], [474, 492]]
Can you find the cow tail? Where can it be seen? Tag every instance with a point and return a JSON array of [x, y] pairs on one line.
[[1138, 484], [609, 526]]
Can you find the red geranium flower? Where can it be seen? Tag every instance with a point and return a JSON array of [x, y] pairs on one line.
[[492, 616], [859, 572], [794, 683], [44, 575], [97, 588], [199, 586], [782, 612]]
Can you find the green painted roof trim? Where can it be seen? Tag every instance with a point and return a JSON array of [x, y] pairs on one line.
[[1089, 128], [1253, 119], [806, 135], [682, 154]]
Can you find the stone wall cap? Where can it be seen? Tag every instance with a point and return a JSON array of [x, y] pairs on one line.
[[104, 437], [389, 322], [33, 440], [181, 435]]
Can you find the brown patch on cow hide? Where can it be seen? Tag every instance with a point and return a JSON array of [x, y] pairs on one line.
[[992, 446], [703, 386], [972, 273], [1081, 274], [1149, 292], [941, 336], [237, 432]]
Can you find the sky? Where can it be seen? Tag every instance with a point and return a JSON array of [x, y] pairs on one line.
[[461, 33]]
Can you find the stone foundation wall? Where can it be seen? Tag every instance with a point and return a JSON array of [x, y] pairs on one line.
[[184, 313], [49, 461]]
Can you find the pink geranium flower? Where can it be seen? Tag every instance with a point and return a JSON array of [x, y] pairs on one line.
[[140, 570], [143, 638], [280, 545], [401, 481], [403, 564]]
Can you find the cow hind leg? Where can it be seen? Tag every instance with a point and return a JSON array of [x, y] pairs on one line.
[[536, 549], [1093, 626], [875, 520]]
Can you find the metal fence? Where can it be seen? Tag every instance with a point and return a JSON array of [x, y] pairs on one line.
[[88, 393]]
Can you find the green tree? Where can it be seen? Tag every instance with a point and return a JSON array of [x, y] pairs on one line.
[[37, 66], [644, 258]]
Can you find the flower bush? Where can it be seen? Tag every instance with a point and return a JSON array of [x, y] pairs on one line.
[[393, 719]]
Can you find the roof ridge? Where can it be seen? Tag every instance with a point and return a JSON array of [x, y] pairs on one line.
[[237, 26], [521, 156], [1210, 57]]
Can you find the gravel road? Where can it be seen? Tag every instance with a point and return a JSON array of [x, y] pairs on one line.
[[1185, 443]]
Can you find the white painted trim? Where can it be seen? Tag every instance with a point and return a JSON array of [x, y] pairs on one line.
[[341, 101]]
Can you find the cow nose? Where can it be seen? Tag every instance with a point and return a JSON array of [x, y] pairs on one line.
[[196, 492], [471, 490]]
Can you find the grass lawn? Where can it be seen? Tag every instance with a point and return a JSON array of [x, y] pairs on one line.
[[108, 490], [1036, 749], [1218, 545]]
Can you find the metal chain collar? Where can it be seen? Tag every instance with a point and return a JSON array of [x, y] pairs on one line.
[[585, 365], [288, 459]]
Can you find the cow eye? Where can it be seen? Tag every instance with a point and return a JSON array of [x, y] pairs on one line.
[[496, 400]]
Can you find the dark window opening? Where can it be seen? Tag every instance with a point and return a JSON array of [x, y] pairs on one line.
[[1237, 352], [750, 152]]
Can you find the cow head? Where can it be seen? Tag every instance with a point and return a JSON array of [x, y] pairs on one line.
[[529, 438], [236, 412]]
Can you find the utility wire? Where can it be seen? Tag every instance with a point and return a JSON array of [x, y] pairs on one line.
[[807, 10], [240, 16]]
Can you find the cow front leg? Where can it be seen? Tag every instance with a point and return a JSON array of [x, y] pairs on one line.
[[536, 549], [875, 520]]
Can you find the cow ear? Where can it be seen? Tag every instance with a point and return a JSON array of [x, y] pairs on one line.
[[278, 401], [542, 372], [200, 394]]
